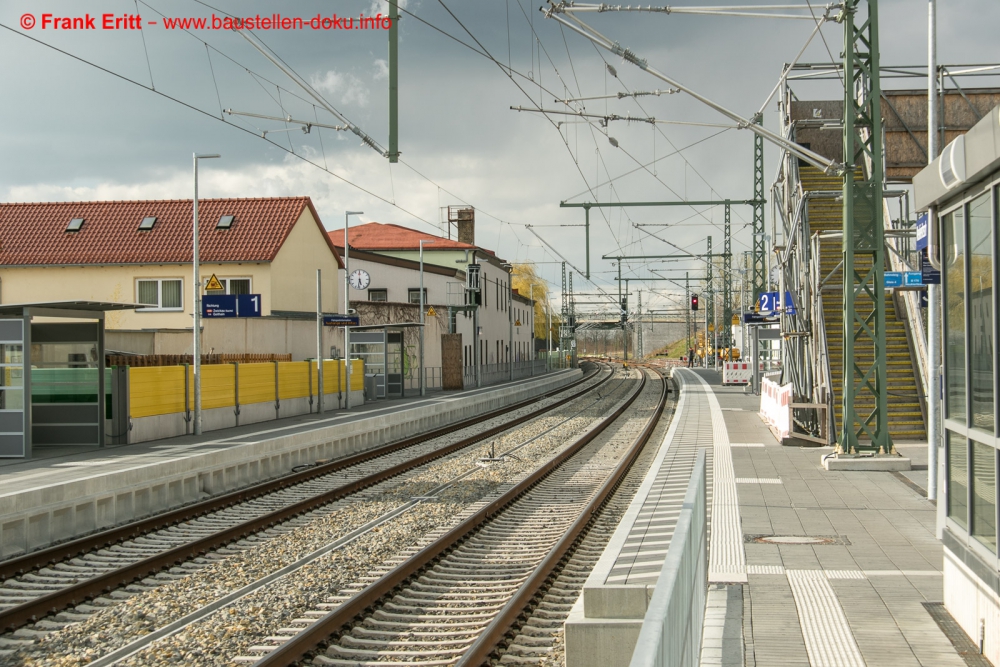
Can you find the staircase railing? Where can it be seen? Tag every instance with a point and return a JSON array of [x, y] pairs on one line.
[[823, 389], [802, 342], [902, 257]]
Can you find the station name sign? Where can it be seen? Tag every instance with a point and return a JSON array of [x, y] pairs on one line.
[[341, 320]]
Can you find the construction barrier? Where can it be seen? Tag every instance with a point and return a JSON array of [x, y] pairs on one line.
[[776, 407], [736, 372]]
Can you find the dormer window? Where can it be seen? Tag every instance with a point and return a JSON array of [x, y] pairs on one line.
[[147, 223], [74, 225], [225, 222]]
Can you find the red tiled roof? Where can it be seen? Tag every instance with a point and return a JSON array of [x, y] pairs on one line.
[[35, 233], [380, 236]]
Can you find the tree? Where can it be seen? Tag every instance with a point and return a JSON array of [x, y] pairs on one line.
[[525, 279]]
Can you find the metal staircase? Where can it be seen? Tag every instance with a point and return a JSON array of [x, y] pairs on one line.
[[825, 223]]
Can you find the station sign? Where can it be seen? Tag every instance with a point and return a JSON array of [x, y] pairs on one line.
[[248, 305], [931, 275], [922, 228], [913, 278], [222, 305], [758, 318], [231, 305], [341, 320], [770, 303], [893, 279]]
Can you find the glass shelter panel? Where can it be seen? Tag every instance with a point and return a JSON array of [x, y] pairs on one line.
[[954, 307], [958, 479], [12, 442], [984, 494], [981, 312]]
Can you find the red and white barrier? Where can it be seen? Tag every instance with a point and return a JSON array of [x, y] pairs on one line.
[[736, 372], [775, 406]]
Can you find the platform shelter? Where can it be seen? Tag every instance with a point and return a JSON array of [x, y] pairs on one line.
[[53, 384]]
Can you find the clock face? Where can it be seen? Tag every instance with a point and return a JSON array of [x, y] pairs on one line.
[[360, 279]]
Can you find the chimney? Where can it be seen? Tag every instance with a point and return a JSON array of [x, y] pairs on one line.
[[465, 219]]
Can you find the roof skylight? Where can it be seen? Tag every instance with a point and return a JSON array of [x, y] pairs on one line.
[[147, 223], [225, 222], [74, 225]]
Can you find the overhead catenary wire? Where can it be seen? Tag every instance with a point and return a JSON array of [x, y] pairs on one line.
[[217, 118], [581, 28]]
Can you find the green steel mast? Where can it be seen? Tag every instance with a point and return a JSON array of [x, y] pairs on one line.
[[865, 409], [758, 280], [727, 285]]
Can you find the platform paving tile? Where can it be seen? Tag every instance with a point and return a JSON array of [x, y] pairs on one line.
[[640, 560], [885, 563]]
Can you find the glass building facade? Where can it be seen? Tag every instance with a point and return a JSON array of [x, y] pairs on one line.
[[969, 269]]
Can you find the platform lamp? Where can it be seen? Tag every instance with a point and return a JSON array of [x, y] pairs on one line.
[[423, 388], [196, 365], [510, 319], [347, 306]]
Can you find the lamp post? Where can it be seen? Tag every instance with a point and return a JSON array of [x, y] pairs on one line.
[[347, 306], [531, 350], [510, 320], [196, 365], [423, 389], [319, 341]]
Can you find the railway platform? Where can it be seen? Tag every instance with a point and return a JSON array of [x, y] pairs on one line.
[[72, 491], [806, 566]]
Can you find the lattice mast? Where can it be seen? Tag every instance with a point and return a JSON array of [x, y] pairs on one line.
[[864, 324]]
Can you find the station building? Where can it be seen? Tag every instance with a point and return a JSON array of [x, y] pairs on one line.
[[389, 255], [141, 252], [961, 188]]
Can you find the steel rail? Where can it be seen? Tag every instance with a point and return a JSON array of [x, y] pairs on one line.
[[44, 557], [494, 635], [342, 618], [34, 610]]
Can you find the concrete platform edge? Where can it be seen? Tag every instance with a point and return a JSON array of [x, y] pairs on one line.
[[45, 514]]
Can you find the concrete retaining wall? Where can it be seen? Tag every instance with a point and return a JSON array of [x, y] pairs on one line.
[[38, 517]]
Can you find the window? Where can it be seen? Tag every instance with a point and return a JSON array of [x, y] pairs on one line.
[[984, 494], [160, 294], [236, 285], [958, 479], [954, 313], [414, 295], [380, 295], [980, 334], [225, 222], [74, 225], [147, 223]]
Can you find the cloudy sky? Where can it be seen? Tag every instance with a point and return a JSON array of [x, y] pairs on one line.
[[116, 114]]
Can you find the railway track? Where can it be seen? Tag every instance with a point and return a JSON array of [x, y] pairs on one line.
[[454, 597], [47, 581], [96, 573]]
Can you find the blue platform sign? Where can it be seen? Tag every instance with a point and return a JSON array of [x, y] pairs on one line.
[[893, 279], [913, 278], [341, 320], [770, 303], [922, 228], [248, 305], [222, 305]]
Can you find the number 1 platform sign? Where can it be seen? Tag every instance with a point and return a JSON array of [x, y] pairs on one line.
[[231, 305]]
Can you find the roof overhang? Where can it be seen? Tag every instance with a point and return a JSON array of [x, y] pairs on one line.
[[968, 159], [73, 309]]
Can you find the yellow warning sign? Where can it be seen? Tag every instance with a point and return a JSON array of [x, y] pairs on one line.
[[736, 320], [214, 285], [711, 327], [431, 312], [517, 323]]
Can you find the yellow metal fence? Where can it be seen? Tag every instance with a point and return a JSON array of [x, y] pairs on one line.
[[161, 390]]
